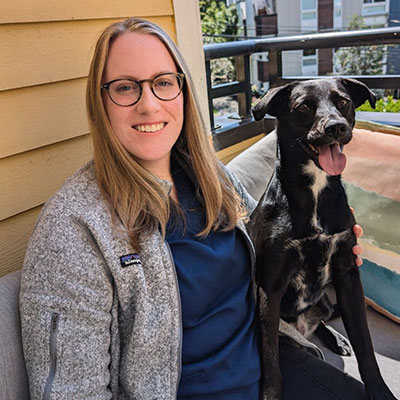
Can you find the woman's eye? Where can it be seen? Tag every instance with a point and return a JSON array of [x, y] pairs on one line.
[[163, 83], [303, 107], [124, 88]]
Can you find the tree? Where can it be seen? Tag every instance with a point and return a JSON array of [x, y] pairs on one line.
[[218, 20], [360, 60]]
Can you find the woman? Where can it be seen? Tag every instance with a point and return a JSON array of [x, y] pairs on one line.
[[137, 283]]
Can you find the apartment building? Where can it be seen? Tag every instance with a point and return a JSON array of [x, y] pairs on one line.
[[294, 17]]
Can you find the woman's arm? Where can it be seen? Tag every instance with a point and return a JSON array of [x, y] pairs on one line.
[[65, 301]]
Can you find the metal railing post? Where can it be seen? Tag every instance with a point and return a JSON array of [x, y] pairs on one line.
[[275, 67], [243, 75], [209, 89]]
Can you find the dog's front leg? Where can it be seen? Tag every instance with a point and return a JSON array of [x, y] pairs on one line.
[[269, 321], [274, 270], [350, 297]]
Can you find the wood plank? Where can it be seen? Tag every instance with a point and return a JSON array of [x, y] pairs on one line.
[[14, 236], [231, 152], [41, 115], [190, 40], [27, 180], [34, 54], [50, 10]]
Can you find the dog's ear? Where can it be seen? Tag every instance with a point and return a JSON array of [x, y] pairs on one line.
[[274, 102], [359, 92]]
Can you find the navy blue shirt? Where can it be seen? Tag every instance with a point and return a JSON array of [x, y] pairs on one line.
[[220, 354]]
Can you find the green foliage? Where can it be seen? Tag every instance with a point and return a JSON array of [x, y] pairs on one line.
[[360, 60], [388, 105], [218, 19]]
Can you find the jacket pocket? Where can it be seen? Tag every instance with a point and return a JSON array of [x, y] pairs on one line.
[[55, 317]]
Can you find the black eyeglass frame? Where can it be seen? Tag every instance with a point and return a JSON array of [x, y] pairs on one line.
[[180, 75]]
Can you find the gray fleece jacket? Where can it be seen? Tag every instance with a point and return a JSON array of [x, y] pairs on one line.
[[99, 319]]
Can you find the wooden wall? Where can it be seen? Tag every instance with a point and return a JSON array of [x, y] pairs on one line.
[[45, 51]]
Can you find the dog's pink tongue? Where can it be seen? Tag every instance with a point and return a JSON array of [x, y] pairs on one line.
[[331, 159]]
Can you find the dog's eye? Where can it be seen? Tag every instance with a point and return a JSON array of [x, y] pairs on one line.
[[303, 107], [343, 102]]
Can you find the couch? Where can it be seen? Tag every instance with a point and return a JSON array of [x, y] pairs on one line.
[[260, 157]]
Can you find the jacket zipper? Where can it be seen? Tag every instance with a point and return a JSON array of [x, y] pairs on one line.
[[252, 259], [180, 319], [53, 355]]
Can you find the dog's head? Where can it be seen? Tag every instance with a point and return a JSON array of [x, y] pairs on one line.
[[317, 115]]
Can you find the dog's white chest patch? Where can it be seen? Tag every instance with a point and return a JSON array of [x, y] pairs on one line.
[[319, 178], [319, 182]]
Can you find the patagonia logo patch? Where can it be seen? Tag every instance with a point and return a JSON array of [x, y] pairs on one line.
[[130, 259]]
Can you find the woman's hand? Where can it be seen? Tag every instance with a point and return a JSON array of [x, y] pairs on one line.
[[357, 249]]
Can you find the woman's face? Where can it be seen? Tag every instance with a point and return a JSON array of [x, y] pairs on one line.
[[148, 129]]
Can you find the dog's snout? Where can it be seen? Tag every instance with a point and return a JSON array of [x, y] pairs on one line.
[[335, 129]]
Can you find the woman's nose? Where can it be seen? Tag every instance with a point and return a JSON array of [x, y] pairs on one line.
[[148, 101]]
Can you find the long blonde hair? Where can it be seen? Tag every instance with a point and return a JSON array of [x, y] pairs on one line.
[[136, 196]]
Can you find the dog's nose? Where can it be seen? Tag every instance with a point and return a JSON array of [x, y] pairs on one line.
[[335, 129]]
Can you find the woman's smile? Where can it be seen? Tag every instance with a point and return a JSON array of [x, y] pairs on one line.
[[150, 128]]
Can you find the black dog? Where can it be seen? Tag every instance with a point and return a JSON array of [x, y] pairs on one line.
[[302, 226]]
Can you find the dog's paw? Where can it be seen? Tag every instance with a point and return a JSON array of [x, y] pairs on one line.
[[271, 395], [341, 344], [272, 392], [334, 340], [382, 394]]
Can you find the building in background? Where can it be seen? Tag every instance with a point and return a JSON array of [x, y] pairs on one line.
[[393, 62], [294, 17]]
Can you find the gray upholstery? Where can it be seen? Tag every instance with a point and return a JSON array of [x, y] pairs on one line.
[[13, 377], [385, 335], [255, 165]]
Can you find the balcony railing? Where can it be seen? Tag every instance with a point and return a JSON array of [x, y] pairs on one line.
[[245, 127]]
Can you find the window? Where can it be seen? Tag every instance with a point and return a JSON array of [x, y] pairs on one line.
[[308, 5], [308, 15], [373, 7], [373, 10], [337, 8], [309, 62], [337, 14], [309, 52], [309, 20]]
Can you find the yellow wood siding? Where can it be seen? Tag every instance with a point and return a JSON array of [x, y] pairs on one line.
[[29, 179], [14, 236], [40, 53], [51, 10], [231, 152], [45, 51], [46, 114]]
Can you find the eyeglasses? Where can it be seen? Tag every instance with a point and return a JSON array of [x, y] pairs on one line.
[[127, 92]]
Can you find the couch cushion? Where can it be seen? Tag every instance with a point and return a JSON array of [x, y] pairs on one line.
[[13, 377], [254, 166], [372, 183]]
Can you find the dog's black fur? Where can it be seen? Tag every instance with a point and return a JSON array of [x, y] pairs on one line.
[[302, 226]]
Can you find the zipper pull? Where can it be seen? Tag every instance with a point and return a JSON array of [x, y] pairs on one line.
[[54, 320]]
